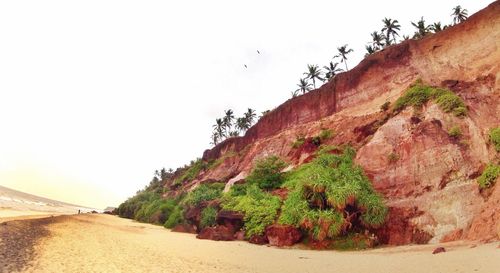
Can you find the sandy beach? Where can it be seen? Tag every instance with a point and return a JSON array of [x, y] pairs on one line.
[[104, 243]]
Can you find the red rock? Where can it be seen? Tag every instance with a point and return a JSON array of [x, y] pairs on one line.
[[258, 240], [239, 235], [185, 228], [452, 236], [283, 235], [217, 233], [231, 219], [438, 250], [281, 193]]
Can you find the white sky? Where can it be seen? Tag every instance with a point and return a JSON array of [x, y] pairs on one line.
[[96, 95]]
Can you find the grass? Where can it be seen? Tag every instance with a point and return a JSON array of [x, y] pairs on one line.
[[323, 189], [325, 134], [260, 208], [191, 172], [267, 173], [299, 141], [455, 132], [419, 94], [489, 176], [495, 138]]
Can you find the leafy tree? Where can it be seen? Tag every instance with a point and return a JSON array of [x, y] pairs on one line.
[[459, 14], [343, 51], [304, 86], [422, 29], [331, 70], [391, 28], [313, 73]]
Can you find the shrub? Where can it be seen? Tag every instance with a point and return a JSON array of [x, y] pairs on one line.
[[418, 94], [204, 192], [267, 173], [191, 172], [238, 190], [325, 134], [455, 132], [175, 218], [260, 209], [384, 107], [495, 138], [393, 157], [131, 207], [325, 190], [208, 217], [299, 141], [489, 176]]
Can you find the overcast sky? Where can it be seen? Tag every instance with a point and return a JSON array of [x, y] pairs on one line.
[[96, 95]]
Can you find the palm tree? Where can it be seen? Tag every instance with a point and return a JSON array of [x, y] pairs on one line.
[[313, 73], [241, 124], [369, 50], [228, 119], [391, 28], [436, 27], [250, 117], [331, 70], [219, 130], [215, 138], [377, 40], [295, 93], [422, 29], [304, 86], [343, 51], [459, 14], [234, 134], [405, 37]]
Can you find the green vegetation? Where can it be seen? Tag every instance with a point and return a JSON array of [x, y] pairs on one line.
[[419, 94], [191, 172], [393, 157], [260, 208], [489, 176], [329, 195], [495, 137], [175, 218], [228, 126], [208, 217], [299, 141], [384, 107], [455, 132], [325, 134], [203, 193], [267, 173]]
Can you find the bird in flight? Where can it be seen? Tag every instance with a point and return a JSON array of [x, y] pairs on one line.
[[245, 66], [258, 51]]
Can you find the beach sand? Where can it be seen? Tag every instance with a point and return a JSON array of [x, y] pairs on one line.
[[105, 243]]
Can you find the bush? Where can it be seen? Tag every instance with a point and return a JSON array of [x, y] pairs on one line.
[[455, 132], [325, 191], [175, 218], [191, 172], [384, 107], [418, 94], [489, 176], [133, 205], [299, 141], [204, 192], [325, 134], [393, 157], [495, 138], [208, 217], [260, 209], [267, 173]]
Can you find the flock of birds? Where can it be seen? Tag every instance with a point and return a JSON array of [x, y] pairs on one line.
[[258, 52]]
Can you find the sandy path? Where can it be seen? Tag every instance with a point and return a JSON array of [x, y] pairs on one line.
[[103, 243]]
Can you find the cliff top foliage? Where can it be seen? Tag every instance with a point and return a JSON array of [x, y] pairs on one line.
[[495, 138]]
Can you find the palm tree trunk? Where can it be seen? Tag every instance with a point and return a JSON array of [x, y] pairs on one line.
[[345, 62]]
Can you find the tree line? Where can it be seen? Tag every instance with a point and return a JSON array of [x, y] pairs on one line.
[[387, 36]]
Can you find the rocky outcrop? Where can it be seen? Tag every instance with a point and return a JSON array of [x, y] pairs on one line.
[[283, 235], [427, 177], [217, 233]]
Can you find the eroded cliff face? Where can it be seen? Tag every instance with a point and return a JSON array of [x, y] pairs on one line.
[[431, 187]]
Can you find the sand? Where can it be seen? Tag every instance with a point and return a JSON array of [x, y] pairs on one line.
[[105, 243]]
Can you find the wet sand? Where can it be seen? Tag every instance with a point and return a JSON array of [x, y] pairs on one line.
[[104, 243]]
